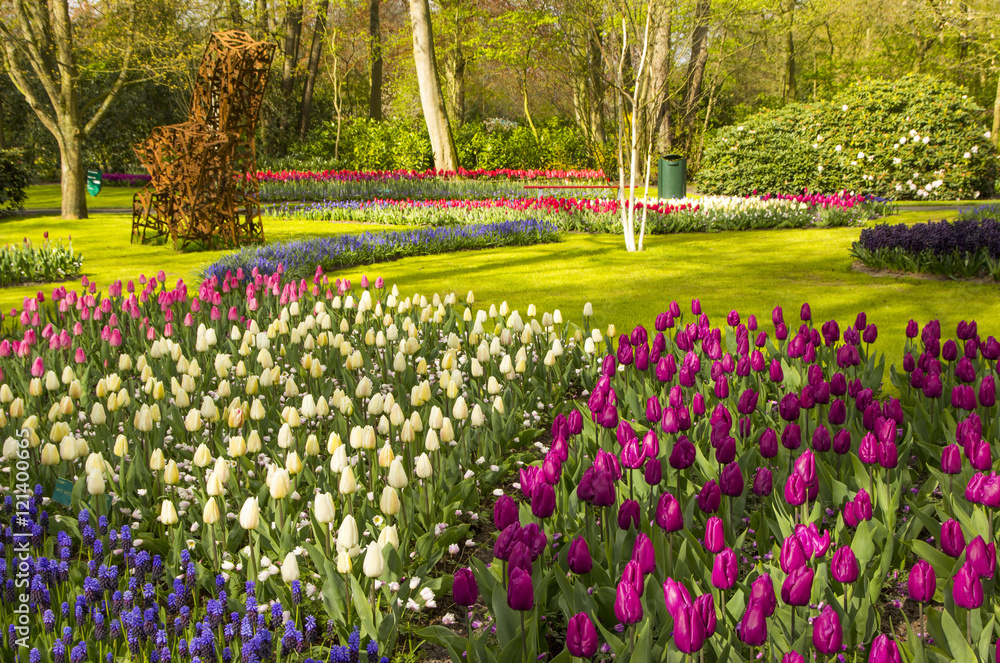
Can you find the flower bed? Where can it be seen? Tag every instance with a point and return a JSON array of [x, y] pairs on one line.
[[965, 248], [125, 179], [711, 213], [293, 465], [341, 185], [26, 263], [300, 258]]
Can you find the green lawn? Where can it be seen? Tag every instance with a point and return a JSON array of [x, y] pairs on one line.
[[49, 196], [750, 271]]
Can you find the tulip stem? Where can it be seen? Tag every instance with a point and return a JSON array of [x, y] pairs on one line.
[[347, 592], [524, 639], [469, 654], [923, 629], [792, 638], [968, 625]]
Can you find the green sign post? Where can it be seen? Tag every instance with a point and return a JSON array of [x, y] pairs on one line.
[[93, 182]]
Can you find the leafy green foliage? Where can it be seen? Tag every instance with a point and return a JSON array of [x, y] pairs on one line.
[[396, 144], [24, 263], [916, 137], [13, 181]]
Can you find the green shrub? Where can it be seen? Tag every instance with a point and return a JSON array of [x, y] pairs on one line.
[[13, 181], [398, 144], [913, 138]]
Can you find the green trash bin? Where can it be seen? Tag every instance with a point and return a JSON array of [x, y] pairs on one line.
[[94, 181], [672, 177]]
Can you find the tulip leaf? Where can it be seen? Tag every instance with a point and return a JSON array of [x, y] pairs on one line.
[[914, 650], [862, 544], [507, 620], [985, 639], [953, 637], [643, 644], [363, 608], [446, 638], [616, 644], [942, 563]]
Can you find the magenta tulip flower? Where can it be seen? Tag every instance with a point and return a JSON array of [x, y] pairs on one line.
[[675, 594], [844, 566], [578, 556], [797, 587], [464, 588], [828, 633], [668, 513], [968, 588], [884, 650], [689, 631], [952, 538], [725, 569], [520, 592], [581, 636], [752, 629], [922, 582], [715, 538], [628, 606]]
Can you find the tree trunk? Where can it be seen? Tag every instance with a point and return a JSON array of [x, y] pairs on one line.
[[293, 34], [791, 86], [235, 15], [3, 133], [454, 82], [996, 115], [375, 46], [660, 78], [263, 19], [73, 182], [319, 32], [696, 66], [596, 88], [435, 113]]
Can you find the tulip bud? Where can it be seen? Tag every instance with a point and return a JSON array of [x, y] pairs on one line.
[[388, 537], [168, 514], [250, 514], [290, 568], [95, 482], [424, 468], [374, 564], [389, 502], [347, 534]]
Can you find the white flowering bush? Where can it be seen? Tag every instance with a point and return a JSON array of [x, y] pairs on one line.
[[914, 138]]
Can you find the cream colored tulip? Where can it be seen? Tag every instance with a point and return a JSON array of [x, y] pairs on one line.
[[192, 422], [237, 447], [324, 508], [389, 502], [293, 463], [250, 514], [95, 482], [253, 442], [348, 484], [347, 533], [171, 475], [344, 563], [215, 486], [385, 455], [374, 564], [389, 537], [202, 456], [397, 474], [338, 461], [210, 514], [280, 484], [424, 469], [290, 568], [168, 514], [222, 469]]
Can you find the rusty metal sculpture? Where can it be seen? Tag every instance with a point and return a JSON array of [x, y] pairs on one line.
[[203, 187]]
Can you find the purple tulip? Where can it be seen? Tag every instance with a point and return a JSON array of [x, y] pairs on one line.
[[653, 410], [628, 515], [520, 592], [793, 657], [653, 474], [464, 589], [922, 582], [768, 443], [643, 553], [762, 594], [575, 421], [821, 441], [838, 413], [775, 372], [795, 490], [828, 633], [683, 454], [952, 538], [710, 497], [951, 459], [725, 569], [747, 402], [988, 392], [842, 441], [534, 537], [844, 566], [634, 576], [968, 588], [715, 538], [752, 629], [578, 556], [870, 334], [731, 480], [504, 512], [868, 451], [792, 555], [520, 558], [689, 630], [884, 650], [675, 595], [726, 451], [628, 606], [788, 407], [668, 513], [581, 636], [797, 587], [949, 351], [696, 306], [705, 605], [762, 482], [543, 500], [982, 557], [791, 437], [888, 455], [604, 489], [505, 542]]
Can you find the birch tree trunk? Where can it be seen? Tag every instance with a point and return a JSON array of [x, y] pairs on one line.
[[431, 100], [293, 35], [996, 115], [375, 54], [39, 54]]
